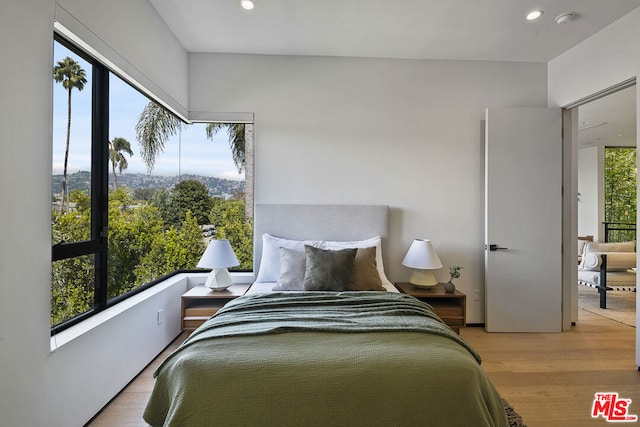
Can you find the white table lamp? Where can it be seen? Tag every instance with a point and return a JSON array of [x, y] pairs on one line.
[[422, 258], [218, 256]]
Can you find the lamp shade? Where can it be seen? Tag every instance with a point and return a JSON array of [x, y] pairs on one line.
[[218, 254], [422, 258], [422, 255]]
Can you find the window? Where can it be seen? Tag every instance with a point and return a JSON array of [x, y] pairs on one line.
[[136, 193], [620, 197], [77, 223]]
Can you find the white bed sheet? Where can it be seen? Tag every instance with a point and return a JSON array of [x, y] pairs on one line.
[[264, 287]]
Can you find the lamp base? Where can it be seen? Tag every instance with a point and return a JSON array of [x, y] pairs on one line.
[[219, 279], [423, 279]]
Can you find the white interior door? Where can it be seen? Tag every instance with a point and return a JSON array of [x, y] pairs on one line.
[[523, 220]]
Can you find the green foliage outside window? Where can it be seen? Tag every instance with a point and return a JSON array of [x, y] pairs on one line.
[[228, 216], [188, 195], [620, 190], [72, 287], [151, 231], [142, 246]]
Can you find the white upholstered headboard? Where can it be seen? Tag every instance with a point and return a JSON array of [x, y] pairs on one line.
[[318, 222]]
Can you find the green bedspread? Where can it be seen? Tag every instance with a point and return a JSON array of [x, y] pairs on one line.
[[324, 359]]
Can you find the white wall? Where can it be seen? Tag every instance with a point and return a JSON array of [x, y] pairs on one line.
[[135, 41], [400, 132], [81, 376], [328, 130], [590, 176], [25, 253], [604, 60], [65, 388]]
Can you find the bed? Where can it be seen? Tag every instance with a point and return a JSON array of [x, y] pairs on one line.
[[302, 357]]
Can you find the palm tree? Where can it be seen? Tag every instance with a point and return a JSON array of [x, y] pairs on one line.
[[71, 75], [242, 153], [117, 148], [237, 144], [155, 125]]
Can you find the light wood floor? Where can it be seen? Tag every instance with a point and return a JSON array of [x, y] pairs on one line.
[[550, 379]]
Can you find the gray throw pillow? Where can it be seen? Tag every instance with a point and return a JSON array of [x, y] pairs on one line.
[[328, 270], [292, 268]]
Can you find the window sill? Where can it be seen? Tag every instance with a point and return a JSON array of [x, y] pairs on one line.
[[196, 279], [64, 337], [187, 280]]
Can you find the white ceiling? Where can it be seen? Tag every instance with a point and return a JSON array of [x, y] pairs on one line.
[[609, 121], [492, 30]]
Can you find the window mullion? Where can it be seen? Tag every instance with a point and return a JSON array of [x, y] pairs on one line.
[[100, 183]]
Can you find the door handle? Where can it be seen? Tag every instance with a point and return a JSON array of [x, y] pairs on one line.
[[493, 248]]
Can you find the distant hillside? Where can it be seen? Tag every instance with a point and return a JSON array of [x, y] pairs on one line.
[[82, 181]]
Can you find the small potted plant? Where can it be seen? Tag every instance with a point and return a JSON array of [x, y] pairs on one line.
[[454, 272]]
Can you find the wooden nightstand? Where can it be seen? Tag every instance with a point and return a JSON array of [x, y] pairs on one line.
[[200, 303], [452, 308]]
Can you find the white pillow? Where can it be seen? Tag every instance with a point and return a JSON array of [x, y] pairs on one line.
[[581, 244], [270, 259], [373, 241], [590, 261]]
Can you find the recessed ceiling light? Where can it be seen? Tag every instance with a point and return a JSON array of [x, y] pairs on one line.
[[534, 15], [247, 4]]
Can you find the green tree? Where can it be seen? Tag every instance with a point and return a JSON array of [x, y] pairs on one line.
[[161, 199], [145, 194], [620, 190], [72, 290], [72, 279], [177, 248], [141, 248], [71, 75], [81, 200], [131, 232], [72, 226], [117, 149], [228, 217], [189, 195]]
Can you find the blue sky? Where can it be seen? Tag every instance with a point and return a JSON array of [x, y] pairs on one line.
[[192, 150]]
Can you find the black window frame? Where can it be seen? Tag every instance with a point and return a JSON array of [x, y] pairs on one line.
[[97, 245]]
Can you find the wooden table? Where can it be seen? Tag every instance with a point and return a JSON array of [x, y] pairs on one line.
[[200, 303], [451, 308]]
